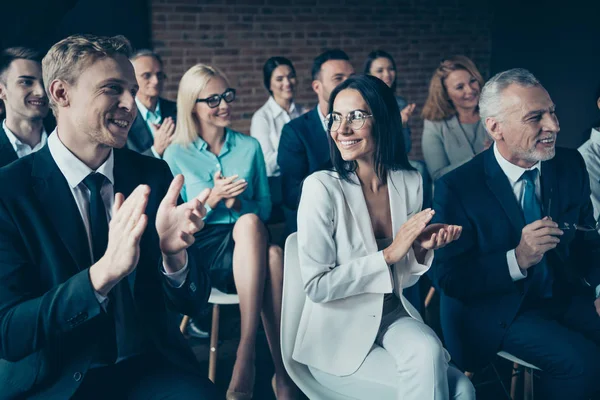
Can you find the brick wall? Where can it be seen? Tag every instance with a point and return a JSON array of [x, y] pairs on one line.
[[239, 36]]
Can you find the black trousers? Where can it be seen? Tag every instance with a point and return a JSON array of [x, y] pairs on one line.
[[562, 338], [145, 378]]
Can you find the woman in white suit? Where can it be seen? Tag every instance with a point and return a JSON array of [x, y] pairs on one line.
[[362, 238]]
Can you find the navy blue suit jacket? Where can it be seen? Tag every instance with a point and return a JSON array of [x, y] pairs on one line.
[[140, 139], [303, 149], [480, 299], [49, 314]]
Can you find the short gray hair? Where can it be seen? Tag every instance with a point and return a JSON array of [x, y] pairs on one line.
[[490, 100], [145, 53]]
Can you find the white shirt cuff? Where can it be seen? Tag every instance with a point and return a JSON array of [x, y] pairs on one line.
[[597, 291], [516, 273], [103, 300], [155, 152], [177, 279]]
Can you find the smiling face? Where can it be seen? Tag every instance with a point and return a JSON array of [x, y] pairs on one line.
[[22, 90], [220, 116], [150, 76], [101, 102], [353, 144], [283, 83], [463, 89], [383, 69], [526, 131], [333, 72]]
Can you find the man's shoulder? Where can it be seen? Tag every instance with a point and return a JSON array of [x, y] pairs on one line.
[[145, 164], [471, 171], [16, 176], [301, 123]]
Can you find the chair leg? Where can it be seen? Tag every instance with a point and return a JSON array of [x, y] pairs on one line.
[[429, 296], [528, 384], [514, 382], [184, 323], [214, 343]]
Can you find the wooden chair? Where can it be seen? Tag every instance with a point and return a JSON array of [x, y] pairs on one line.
[[217, 298]]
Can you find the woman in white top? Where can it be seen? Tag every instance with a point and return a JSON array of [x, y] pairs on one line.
[[280, 80], [362, 238]]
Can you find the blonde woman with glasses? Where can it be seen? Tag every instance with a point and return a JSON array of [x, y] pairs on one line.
[[235, 241]]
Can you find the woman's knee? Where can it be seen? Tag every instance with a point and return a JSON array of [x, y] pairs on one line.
[[275, 254], [249, 225], [460, 386], [419, 345]]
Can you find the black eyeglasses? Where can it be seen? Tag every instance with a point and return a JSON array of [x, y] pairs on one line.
[[215, 100], [356, 119]]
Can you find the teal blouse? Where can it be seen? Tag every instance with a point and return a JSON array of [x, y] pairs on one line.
[[241, 155]]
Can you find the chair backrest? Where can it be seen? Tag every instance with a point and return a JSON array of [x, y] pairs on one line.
[[293, 302]]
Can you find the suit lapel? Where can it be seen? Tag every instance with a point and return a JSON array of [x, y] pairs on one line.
[[358, 207], [54, 194], [7, 152], [500, 187], [126, 180], [397, 197], [549, 190], [319, 136], [141, 137]]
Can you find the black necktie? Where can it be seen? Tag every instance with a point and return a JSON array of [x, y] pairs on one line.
[[99, 231], [97, 214]]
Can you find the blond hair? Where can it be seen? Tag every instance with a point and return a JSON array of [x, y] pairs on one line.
[[67, 59], [438, 105], [192, 83]]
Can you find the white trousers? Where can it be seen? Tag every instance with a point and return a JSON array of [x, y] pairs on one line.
[[409, 363]]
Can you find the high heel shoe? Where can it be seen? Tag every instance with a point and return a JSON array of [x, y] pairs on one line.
[[234, 395]]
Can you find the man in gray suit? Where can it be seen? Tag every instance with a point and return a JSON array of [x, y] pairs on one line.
[[154, 125]]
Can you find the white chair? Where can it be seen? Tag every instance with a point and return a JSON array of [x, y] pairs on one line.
[[217, 298], [293, 302], [519, 364]]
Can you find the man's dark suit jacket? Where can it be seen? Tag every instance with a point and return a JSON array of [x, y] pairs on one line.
[[49, 315], [303, 149], [480, 299], [140, 138], [7, 152]]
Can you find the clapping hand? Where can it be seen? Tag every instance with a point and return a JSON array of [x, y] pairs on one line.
[[226, 189], [163, 135], [436, 236], [176, 224], [406, 112]]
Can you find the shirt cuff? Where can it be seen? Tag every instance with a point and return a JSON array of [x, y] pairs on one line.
[[177, 279], [155, 153], [103, 300], [516, 273], [597, 291]]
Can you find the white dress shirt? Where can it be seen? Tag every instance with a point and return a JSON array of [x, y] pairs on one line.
[[151, 119], [266, 127], [23, 149], [513, 173], [590, 152], [75, 171], [322, 118]]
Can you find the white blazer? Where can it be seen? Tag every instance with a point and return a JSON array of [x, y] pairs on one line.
[[345, 277]]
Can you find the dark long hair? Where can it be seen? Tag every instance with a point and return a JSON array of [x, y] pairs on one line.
[[269, 68], [390, 151], [375, 54]]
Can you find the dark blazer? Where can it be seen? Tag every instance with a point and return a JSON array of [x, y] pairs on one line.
[[49, 315], [7, 152], [140, 138], [473, 273], [303, 149]]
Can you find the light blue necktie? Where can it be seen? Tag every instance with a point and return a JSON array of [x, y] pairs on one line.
[[532, 210]]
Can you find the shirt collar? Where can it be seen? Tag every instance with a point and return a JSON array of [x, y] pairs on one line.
[[75, 170], [277, 110], [322, 118], [513, 172], [16, 142], [144, 112], [201, 144], [595, 136]]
